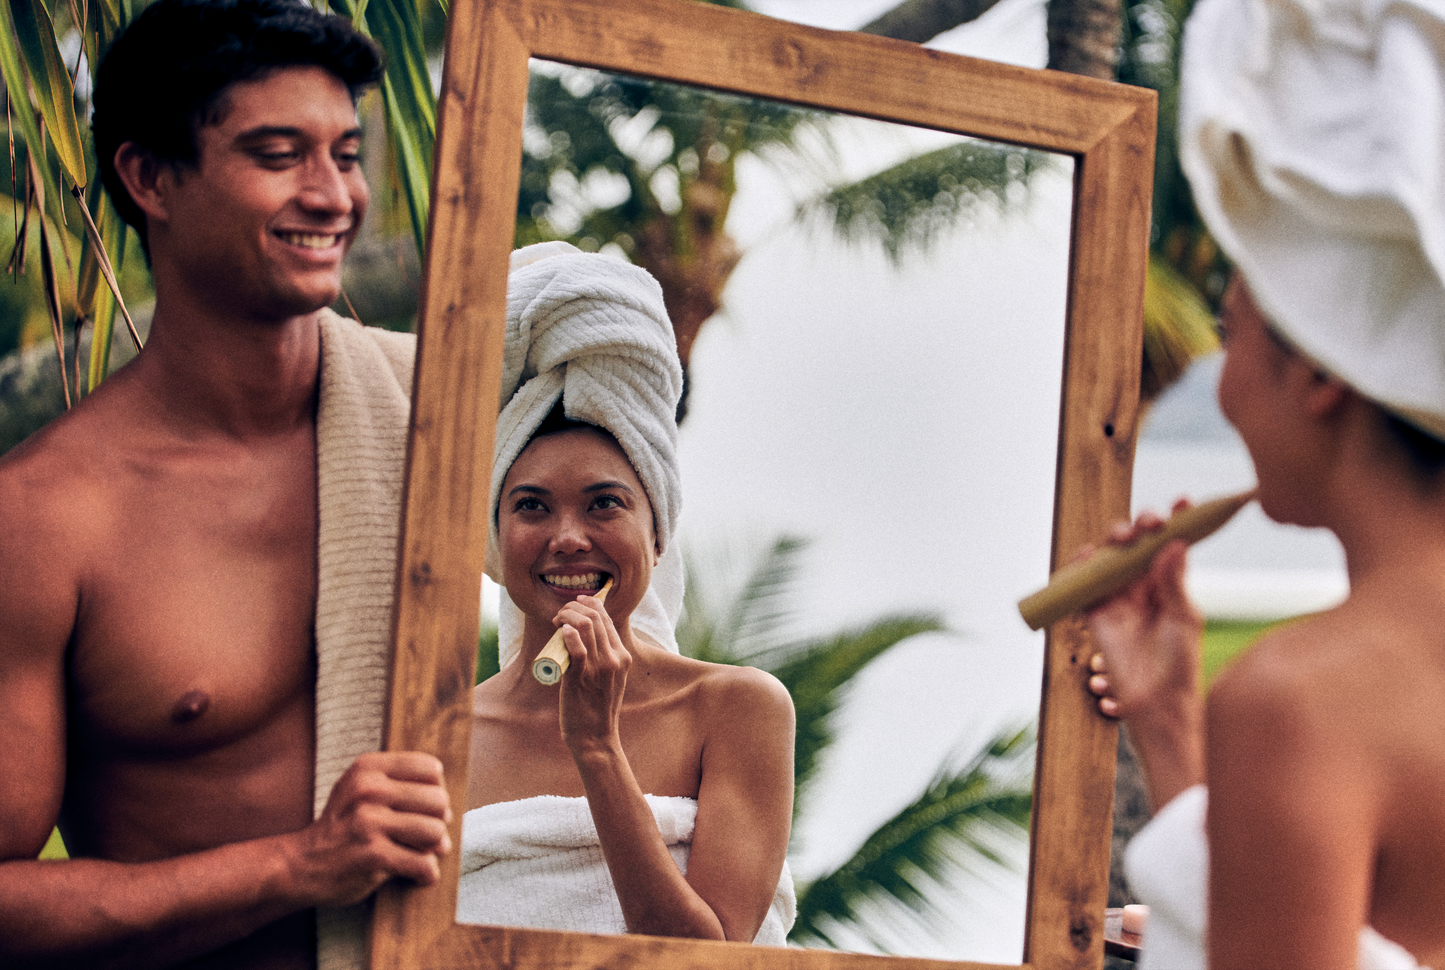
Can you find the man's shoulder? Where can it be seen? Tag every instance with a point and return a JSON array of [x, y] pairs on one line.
[[50, 499], [64, 475], [53, 462]]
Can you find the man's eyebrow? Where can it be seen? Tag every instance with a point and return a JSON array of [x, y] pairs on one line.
[[262, 132]]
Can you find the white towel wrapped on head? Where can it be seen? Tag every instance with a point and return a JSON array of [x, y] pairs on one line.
[[592, 331], [1313, 135], [538, 862]]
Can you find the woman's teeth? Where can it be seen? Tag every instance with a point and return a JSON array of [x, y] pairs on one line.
[[584, 581]]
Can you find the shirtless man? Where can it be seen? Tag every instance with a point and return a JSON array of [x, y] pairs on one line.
[[158, 554]]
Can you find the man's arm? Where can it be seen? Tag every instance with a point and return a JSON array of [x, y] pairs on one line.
[[386, 817]]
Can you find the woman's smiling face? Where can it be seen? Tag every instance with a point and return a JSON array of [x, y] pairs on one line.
[[572, 515]]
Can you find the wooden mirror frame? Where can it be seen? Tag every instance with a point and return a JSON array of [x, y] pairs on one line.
[[1109, 131]]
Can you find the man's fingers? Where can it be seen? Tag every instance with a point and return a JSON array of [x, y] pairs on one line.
[[403, 765], [421, 833], [428, 800], [397, 860]]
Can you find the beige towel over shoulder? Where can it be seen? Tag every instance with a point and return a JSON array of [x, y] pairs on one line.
[[360, 456]]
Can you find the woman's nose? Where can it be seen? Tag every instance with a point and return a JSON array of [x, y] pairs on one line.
[[571, 536]]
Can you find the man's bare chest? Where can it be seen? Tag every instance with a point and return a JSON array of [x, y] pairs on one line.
[[196, 612]]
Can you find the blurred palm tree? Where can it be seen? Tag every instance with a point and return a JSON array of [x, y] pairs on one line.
[[49, 52], [650, 169], [1136, 42], [973, 805]]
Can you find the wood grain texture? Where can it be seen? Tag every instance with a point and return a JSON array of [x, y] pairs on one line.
[[504, 948], [461, 321], [1109, 131], [1074, 776]]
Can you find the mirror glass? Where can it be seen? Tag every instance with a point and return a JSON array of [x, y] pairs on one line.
[[881, 381]]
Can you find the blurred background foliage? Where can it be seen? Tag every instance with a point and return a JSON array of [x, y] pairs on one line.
[[645, 171]]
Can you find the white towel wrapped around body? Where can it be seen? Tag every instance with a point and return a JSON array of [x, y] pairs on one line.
[[538, 863], [562, 305], [1167, 863]]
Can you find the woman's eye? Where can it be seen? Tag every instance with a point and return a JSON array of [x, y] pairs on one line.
[[607, 502], [529, 505]]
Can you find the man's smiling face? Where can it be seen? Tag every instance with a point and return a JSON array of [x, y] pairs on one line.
[[260, 224]]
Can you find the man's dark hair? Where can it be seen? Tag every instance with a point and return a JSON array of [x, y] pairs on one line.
[[164, 77]]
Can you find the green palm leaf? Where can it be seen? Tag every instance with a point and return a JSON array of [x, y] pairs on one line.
[[753, 620], [817, 675], [956, 822], [15, 69], [35, 35], [750, 629], [906, 207], [407, 96]]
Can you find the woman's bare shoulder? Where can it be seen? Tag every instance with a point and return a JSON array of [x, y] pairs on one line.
[[1316, 697], [730, 691]]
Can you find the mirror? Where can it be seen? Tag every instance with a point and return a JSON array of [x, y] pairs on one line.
[[882, 382], [1081, 365]]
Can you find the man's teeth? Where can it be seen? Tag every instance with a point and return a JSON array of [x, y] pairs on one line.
[[310, 240], [585, 581]]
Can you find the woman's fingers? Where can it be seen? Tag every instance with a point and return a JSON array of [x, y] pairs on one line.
[[1101, 687], [591, 639]]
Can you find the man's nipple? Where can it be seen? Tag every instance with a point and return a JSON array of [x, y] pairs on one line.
[[191, 706]]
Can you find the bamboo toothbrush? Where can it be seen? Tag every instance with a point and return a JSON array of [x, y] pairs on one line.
[[1079, 584], [553, 660]]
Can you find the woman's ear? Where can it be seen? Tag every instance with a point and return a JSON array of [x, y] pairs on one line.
[[144, 178], [1325, 393]]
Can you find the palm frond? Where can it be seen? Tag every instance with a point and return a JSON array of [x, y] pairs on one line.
[[956, 822], [817, 674], [751, 628], [582, 123], [407, 97], [906, 207], [1178, 327], [34, 34], [16, 72], [751, 621]]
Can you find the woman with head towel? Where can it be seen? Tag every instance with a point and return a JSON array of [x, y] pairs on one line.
[[1313, 134], [645, 792]]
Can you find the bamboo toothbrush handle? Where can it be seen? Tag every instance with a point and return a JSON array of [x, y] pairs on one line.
[[1079, 584], [553, 660]]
